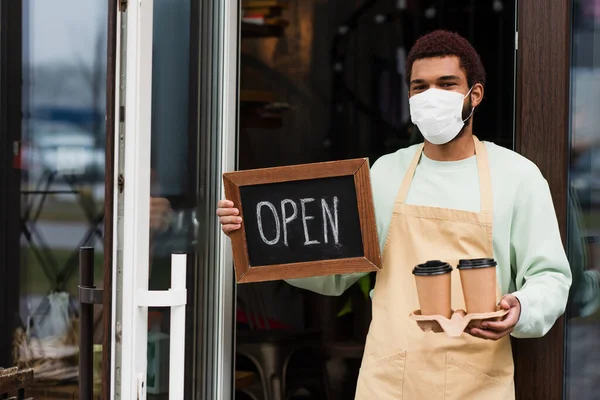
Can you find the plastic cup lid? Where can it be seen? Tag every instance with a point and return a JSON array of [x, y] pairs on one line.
[[431, 268], [477, 263]]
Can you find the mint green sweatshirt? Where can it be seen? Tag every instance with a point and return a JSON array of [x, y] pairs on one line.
[[532, 264]]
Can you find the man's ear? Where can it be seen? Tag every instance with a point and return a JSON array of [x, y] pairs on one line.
[[477, 94]]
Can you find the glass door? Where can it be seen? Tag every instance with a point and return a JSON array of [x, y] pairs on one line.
[[172, 329]]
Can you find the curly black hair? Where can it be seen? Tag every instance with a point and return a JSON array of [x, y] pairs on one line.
[[441, 43]]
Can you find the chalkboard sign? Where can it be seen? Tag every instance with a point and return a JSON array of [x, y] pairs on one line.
[[303, 220]]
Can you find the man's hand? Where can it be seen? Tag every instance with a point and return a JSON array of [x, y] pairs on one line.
[[229, 216], [160, 211], [494, 330]]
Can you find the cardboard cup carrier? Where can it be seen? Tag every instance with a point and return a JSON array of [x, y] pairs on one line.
[[434, 285]]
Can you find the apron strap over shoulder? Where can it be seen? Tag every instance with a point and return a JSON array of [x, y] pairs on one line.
[[408, 177]]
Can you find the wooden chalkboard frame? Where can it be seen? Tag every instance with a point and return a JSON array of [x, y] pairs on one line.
[[358, 168]]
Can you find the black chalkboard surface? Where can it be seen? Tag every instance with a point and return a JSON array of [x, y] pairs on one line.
[[303, 220]]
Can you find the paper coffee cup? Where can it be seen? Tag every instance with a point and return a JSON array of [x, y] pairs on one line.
[[433, 281], [478, 280]]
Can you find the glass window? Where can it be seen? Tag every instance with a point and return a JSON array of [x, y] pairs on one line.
[[583, 247], [61, 150]]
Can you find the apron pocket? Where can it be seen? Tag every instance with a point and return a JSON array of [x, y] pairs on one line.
[[382, 379], [463, 381]]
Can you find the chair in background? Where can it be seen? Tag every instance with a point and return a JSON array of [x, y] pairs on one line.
[[286, 360]]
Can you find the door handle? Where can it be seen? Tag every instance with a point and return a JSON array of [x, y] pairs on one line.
[[176, 299], [88, 296]]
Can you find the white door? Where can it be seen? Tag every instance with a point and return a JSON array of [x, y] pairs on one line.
[[134, 95], [188, 146]]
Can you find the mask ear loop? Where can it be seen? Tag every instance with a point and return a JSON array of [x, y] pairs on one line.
[[470, 115], [469, 92], [473, 108]]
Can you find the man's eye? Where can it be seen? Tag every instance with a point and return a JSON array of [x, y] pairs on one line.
[[418, 87], [448, 84]]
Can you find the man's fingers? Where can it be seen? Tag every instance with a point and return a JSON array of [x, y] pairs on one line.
[[228, 216], [509, 320], [494, 330], [490, 335], [227, 229], [500, 326], [225, 204], [222, 212], [509, 301], [230, 220]]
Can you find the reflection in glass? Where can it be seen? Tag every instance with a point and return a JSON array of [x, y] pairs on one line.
[[173, 222], [62, 147], [583, 247]]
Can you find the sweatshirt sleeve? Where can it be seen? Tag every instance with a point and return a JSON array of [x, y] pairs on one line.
[[543, 275], [333, 285], [384, 190]]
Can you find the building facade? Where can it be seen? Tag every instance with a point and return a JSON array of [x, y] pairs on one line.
[[118, 120]]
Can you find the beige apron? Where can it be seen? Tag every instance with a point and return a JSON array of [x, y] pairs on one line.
[[400, 360]]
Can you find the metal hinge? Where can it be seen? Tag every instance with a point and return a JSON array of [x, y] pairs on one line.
[[122, 5], [121, 183]]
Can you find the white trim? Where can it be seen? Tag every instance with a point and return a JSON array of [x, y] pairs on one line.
[[177, 331], [228, 145], [162, 298], [136, 199], [116, 223]]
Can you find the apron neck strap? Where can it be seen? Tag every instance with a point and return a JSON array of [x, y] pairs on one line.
[[483, 167]]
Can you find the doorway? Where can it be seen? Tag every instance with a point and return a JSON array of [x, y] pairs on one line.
[[323, 81]]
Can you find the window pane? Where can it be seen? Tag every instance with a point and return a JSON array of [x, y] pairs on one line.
[[583, 328], [173, 223], [62, 150]]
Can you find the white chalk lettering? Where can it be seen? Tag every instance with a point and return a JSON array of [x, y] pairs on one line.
[[333, 220], [286, 219], [259, 206], [306, 218]]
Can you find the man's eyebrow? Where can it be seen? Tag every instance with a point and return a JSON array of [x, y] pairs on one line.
[[417, 81], [449, 78]]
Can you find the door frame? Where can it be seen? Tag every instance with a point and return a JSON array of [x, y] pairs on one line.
[[216, 126], [542, 135], [109, 193], [133, 95]]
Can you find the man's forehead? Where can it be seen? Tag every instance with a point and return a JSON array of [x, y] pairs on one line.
[[436, 67]]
